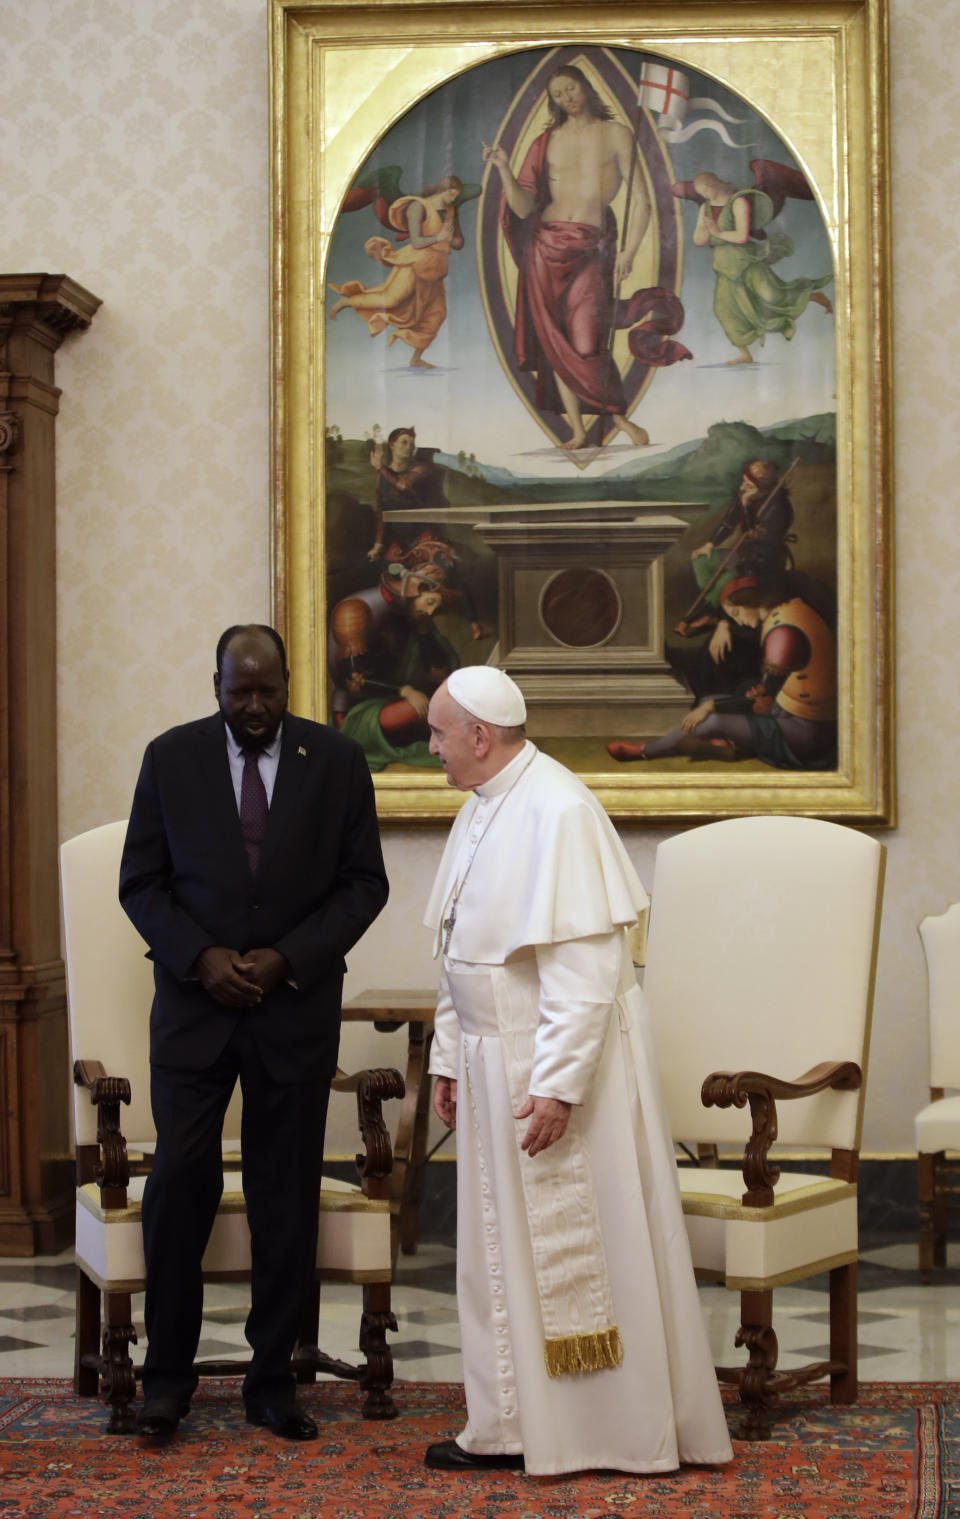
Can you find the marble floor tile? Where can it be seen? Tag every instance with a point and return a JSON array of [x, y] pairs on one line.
[[908, 1331]]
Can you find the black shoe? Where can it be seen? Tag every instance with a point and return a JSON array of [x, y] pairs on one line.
[[159, 1417], [448, 1456], [287, 1422]]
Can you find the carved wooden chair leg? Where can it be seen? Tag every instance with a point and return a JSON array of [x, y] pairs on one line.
[[940, 1208], [304, 1371], [843, 1332], [376, 1377], [925, 1170], [756, 1379], [116, 1366], [86, 1350]]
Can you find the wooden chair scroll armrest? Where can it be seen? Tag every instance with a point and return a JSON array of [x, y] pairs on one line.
[[725, 1089], [373, 1088], [107, 1163]]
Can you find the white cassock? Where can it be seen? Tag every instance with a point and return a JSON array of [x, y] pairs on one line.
[[566, 1259]]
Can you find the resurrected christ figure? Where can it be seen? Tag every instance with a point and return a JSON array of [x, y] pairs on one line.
[[557, 219]]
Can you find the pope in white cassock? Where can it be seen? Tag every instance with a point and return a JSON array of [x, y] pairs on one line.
[[582, 1335]]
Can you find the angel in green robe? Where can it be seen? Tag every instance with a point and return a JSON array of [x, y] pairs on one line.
[[750, 298]]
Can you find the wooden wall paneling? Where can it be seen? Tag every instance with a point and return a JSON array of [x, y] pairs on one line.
[[37, 311]]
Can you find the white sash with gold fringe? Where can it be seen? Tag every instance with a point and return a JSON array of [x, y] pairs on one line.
[[576, 1302]]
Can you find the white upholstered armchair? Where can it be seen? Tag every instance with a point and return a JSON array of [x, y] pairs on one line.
[[759, 975], [938, 1124], [110, 989]]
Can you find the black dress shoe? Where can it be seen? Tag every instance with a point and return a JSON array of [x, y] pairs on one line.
[[289, 1423], [448, 1456], [159, 1417]]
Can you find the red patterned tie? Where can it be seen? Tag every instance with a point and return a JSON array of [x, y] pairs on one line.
[[253, 808]]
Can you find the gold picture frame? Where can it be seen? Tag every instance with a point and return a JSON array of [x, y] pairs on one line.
[[343, 72]]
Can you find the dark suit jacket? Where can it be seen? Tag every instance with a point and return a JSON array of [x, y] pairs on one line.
[[185, 883]]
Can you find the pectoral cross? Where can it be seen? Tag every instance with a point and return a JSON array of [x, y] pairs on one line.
[[447, 927]]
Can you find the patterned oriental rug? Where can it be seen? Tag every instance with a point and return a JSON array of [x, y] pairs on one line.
[[896, 1455]]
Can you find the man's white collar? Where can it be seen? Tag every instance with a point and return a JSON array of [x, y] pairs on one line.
[[504, 779]]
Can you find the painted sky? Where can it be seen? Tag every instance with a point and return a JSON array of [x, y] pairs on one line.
[[467, 402]]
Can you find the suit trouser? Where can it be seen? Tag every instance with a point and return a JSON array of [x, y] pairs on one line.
[[282, 1151]]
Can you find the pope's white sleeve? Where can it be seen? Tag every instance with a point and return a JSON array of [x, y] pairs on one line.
[[445, 1049], [578, 984]]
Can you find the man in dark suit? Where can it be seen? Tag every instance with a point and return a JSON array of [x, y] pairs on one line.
[[251, 866]]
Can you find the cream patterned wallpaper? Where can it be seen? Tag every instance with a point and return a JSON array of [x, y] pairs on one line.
[[135, 160]]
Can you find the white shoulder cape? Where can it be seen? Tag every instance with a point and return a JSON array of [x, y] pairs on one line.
[[550, 868]]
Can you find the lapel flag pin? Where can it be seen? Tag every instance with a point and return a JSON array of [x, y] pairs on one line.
[[302, 750]]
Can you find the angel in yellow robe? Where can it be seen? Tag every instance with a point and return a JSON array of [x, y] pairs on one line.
[[411, 299]]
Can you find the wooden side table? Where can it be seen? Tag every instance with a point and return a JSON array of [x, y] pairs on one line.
[[387, 1011]]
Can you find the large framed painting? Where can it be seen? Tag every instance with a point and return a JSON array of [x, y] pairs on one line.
[[581, 369]]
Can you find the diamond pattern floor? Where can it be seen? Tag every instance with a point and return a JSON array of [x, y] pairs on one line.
[[908, 1331]]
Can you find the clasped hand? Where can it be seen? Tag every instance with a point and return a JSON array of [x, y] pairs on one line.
[[236, 980]]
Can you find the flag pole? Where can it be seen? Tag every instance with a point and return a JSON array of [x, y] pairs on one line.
[[634, 169]]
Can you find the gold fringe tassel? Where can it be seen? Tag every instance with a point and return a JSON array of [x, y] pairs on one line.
[[583, 1352]]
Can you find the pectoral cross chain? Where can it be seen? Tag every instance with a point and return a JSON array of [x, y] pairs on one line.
[[448, 923]]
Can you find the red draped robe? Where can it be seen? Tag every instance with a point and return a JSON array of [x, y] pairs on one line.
[[565, 302]]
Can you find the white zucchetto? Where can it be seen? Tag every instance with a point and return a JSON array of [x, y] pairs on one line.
[[487, 693]]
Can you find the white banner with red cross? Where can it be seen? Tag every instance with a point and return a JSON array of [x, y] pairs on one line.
[[666, 90]]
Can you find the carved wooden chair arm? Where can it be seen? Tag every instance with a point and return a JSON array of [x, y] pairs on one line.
[[725, 1089], [111, 1171], [373, 1089]]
